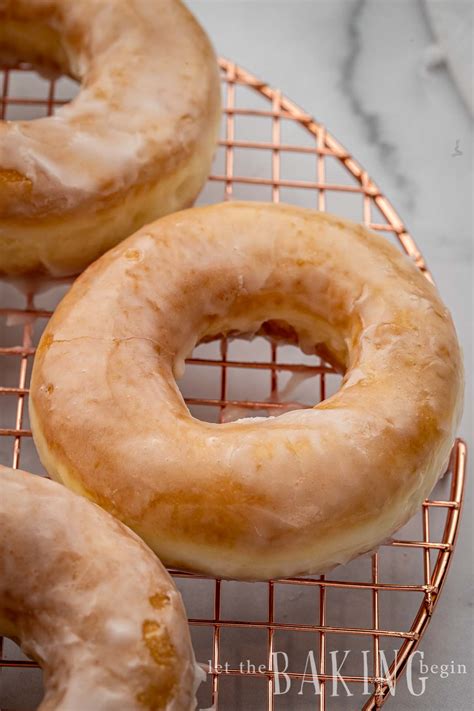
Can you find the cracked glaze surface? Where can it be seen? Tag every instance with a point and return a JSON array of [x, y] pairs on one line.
[[136, 143], [259, 497], [90, 602]]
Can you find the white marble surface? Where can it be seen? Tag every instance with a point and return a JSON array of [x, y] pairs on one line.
[[371, 72]]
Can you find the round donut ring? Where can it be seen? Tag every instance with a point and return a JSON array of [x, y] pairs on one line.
[[260, 497], [136, 143], [91, 603]]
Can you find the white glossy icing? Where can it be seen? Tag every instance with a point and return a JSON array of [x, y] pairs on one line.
[[259, 497], [78, 589], [143, 126]]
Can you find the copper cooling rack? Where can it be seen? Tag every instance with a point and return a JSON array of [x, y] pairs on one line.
[[270, 150]]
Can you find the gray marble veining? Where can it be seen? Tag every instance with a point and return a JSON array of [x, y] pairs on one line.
[[373, 72]]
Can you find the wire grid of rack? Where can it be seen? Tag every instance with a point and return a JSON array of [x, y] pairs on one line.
[[270, 150]]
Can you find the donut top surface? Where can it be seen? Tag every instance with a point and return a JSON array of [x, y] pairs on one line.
[[91, 603], [259, 497], [149, 89]]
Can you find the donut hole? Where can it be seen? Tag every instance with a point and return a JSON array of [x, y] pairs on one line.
[[33, 42], [264, 376], [34, 69], [20, 688]]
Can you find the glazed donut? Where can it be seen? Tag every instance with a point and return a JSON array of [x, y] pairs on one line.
[[136, 143], [90, 602], [260, 497]]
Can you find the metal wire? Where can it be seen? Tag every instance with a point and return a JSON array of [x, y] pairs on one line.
[[318, 145]]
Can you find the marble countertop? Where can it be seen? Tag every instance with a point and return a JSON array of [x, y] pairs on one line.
[[386, 86], [373, 72]]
